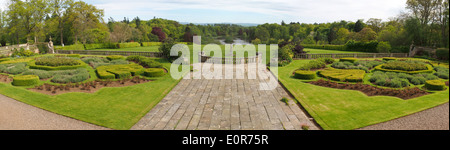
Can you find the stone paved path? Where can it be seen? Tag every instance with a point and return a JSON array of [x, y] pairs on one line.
[[224, 104]]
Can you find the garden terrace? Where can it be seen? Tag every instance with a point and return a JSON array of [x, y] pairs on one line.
[[343, 106]]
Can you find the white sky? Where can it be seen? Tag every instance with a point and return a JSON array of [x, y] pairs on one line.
[[249, 11]]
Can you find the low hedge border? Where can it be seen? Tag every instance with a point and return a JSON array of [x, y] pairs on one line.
[[4, 59], [114, 57], [154, 72], [435, 85], [119, 71], [25, 80], [33, 65], [430, 69], [389, 58], [343, 75], [305, 75], [352, 60]]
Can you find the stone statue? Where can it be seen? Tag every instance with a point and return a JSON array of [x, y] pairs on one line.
[[51, 49]]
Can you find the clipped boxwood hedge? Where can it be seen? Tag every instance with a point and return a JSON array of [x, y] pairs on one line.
[[154, 72], [389, 58], [114, 57], [306, 75], [119, 71], [350, 75], [430, 69], [352, 60], [25, 80], [4, 59], [435, 85], [33, 65]]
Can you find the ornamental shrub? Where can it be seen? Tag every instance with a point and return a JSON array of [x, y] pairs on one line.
[[442, 53], [352, 60], [154, 72], [25, 80], [436, 85], [306, 75]]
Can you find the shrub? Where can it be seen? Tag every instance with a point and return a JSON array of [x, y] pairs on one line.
[[442, 53], [33, 65], [149, 63], [436, 85], [154, 72], [42, 74], [146, 44], [442, 72], [4, 59], [129, 45], [25, 80], [14, 69], [418, 80], [306, 75], [56, 61], [405, 66], [361, 46], [73, 55], [383, 47], [327, 60], [389, 58], [73, 47], [314, 64], [70, 76], [89, 60], [326, 47], [114, 57], [349, 75], [352, 60], [119, 71]]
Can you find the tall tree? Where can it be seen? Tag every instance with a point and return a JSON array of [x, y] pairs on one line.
[[84, 17], [59, 7], [359, 25]]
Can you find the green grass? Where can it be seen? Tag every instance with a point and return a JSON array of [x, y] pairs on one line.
[[116, 108], [337, 109], [321, 51], [137, 49]]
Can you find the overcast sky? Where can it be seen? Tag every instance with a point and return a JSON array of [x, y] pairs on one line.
[[249, 11]]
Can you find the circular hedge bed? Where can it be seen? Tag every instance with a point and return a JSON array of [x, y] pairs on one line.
[[306, 75], [154, 72], [435, 85], [25, 80]]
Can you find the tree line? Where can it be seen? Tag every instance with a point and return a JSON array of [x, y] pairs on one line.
[[425, 23]]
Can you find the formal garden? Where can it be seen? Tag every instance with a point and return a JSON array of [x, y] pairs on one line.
[[111, 91], [351, 93]]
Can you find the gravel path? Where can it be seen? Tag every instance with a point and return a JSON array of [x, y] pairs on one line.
[[436, 118], [15, 115]]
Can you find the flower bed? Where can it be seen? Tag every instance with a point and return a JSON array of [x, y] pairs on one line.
[[33, 65], [369, 90], [56, 61]]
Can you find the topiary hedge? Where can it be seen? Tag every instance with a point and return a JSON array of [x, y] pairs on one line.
[[428, 70], [350, 75], [33, 65], [114, 57], [435, 85], [389, 58], [154, 72], [25, 80], [306, 75], [352, 60], [119, 71], [4, 59]]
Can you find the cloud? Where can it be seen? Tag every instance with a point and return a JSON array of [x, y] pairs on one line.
[[262, 11]]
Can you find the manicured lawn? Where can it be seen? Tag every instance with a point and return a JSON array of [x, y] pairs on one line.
[[137, 49], [336, 109], [321, 51], [116, 108]]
